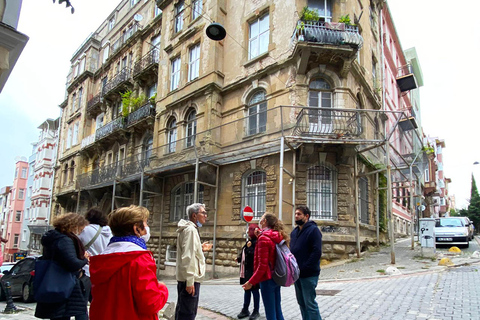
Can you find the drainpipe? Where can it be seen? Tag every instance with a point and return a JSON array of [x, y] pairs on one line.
[[113, 193]]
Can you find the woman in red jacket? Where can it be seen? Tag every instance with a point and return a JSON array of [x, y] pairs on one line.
[[272, 232], [124, 281]]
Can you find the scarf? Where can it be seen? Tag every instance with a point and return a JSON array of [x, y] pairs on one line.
[[133, 239], [79, 248], [242, 264]]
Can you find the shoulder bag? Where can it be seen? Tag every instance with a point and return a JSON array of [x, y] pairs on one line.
[[52, 283]]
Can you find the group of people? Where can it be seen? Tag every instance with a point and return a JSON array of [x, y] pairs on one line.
[[258, 258], [118, 275], [112, 260]]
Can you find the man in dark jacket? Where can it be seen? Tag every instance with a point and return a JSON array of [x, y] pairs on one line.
[[306, 246]]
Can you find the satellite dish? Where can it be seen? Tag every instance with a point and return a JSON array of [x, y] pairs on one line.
[[138, 17]]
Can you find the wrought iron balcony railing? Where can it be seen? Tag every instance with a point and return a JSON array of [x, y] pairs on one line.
[[147, 60], [109, 128], [140, 114], [88, 141], [121, 77], [327, 121], [106, 174], [94, 101], [327, 33]]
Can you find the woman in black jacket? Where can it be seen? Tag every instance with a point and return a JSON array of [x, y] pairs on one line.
[[63, 246], [246, 271]]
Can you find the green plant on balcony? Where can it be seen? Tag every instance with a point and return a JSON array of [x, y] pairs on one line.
[[346, 20], [152, 99], [428, 150], [131, 103], [306, 15]]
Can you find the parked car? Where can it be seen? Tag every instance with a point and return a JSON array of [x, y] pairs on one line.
[[20, 277], [452, 231], [469, 224], [6, 266]]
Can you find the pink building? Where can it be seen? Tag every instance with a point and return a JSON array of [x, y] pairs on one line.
[[15, 215], [399, 84]]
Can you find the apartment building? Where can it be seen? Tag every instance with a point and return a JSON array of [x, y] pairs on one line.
[[402, 78], [15, 213], [39, 189], [284, 111], [12, 42]]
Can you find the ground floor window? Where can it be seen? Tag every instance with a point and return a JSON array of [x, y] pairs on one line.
[[322, 192]]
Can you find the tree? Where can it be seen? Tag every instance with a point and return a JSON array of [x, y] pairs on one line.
[[474, 206], [67, 4]]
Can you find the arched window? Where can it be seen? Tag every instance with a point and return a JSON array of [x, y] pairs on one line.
[[255, 192], [172, 135], [147, 148], [320, 96], [257, 113], [182, 196], [191, 128], [322, 192]]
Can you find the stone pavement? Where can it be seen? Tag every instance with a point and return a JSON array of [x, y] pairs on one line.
[[359, 289], [418, 276]]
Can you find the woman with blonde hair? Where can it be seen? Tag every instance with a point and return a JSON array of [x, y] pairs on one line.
[[124, 276], [64, 247], [272, 232]]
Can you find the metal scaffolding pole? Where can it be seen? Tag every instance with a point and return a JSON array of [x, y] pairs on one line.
[[412, 207], [195, 188], [113, 193], [214, 276], [389, 205], [141, 190], [280, 187], [378, 208], [356, 202]]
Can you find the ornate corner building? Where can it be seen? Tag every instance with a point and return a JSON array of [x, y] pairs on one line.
[[284, 111]]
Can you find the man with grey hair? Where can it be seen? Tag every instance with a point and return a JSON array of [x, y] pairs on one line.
[[190, 262]]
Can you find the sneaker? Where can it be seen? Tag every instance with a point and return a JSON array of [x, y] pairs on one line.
[[243, 314], [254, 316]]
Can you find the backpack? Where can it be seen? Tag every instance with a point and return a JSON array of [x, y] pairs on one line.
[[286, 270]]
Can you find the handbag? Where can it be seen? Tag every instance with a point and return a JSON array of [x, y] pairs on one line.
[[52, 283]]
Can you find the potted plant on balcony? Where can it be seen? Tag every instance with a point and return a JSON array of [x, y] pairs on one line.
[[307, 15], [153, 99]]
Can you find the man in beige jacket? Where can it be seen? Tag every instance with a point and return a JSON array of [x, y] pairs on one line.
[[190, 262]]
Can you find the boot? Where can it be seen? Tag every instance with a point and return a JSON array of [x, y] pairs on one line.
[[243, 314], [255, 315]]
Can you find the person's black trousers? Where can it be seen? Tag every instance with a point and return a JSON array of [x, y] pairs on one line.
[[187, 304]]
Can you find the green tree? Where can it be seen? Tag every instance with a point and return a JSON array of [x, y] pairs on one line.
[[473, 212]]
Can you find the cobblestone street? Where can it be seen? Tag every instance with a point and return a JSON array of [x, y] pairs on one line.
[[358, 290]]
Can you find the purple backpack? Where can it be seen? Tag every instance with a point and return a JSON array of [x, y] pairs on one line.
[[286, 270]]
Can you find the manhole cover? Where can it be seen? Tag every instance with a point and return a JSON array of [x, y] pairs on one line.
[[321, 292]]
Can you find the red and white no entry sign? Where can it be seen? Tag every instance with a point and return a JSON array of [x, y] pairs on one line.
[[247, 214]]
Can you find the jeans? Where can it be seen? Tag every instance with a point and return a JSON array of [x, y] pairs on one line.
[[271, 300], [305, 291], [247, 298], [187, 304]]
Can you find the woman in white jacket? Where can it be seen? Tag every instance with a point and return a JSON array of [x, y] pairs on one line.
[[95, 237]]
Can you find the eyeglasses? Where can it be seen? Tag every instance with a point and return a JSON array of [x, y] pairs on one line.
[[204, 213]]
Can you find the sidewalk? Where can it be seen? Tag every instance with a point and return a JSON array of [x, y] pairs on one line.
[[372, 264]]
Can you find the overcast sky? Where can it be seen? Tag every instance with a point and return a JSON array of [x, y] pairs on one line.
[[447, 45]]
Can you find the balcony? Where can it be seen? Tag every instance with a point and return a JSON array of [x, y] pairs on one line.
[[325, 43], [406, 79], [93, 105], [111, 127], [128, 169], [145, 112], [328, 121], [118, 83], [122, 39], [86, 142], [148, 65]]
